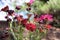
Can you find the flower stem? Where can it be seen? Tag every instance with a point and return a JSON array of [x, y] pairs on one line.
[[12, 31]]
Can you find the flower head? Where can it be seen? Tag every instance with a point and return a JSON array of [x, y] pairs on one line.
[[10, 12], [28, 9], [24, 21], [30, 26], [5, 9], [19, 18], [28, 4], [31, 1], [46, 16], [8, 20], [6, 17], [18, 7]]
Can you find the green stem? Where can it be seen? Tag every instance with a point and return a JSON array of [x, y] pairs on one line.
[[12, 31], [20, 32], [30, 35]]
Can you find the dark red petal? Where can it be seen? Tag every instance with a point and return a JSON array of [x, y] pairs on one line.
[[24, 21], [10, 12], [18, 7], [5, 9], [30, 27], [8, 20], [6, 17]]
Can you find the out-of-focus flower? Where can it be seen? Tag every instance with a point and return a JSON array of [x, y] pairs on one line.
[[30, 26], [46, 16], [28, 9], [31, 1], [11, 12], [8, 20], [24, 21], [6, 17], [28, 4], [5, 9], [48, 26], [36, 18], [18, 7], [19, 18]]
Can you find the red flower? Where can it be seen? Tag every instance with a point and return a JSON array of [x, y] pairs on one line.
[[24, 21], [5, 9], [48, 26], [19, 18], [31, 27]]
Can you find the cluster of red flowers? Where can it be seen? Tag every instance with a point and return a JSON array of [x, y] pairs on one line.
[[29, 26]]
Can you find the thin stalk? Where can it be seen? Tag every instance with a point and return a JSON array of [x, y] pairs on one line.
[[20, 32], [12, 31]]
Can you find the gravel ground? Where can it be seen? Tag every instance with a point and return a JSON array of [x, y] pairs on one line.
[[53, 34]]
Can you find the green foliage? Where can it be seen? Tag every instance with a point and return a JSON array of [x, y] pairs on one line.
[[54, 4], [37, 6]]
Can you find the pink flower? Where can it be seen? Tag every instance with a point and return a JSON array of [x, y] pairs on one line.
[[46, 16], [31, 1]]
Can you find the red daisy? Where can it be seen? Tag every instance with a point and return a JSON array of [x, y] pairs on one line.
[[30, 26]]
